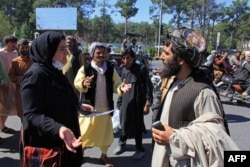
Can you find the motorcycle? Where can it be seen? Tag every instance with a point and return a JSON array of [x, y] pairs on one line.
[[230, 90], [156, 79]]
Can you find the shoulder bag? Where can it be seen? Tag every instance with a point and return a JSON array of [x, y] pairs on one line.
[[40, 157]]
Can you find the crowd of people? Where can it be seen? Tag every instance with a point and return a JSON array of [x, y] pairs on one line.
[[51, 88], [235, 66]]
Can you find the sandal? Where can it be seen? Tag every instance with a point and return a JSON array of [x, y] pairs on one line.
[[106, 161], [8, 130]]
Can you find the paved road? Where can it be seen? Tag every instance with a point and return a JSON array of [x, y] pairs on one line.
[[239, 124]]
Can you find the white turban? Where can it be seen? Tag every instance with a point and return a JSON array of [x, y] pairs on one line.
[[93, 46]]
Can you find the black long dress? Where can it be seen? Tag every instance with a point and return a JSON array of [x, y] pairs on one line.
[[133, 101], [48, 101]]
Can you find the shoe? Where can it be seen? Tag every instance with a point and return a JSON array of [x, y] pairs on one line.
[[7, 130], [116, 130], [106, 161], [244, 94], [138, 155], [119, 149]]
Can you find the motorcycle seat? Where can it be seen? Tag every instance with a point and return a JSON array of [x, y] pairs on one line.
[[229, 79]]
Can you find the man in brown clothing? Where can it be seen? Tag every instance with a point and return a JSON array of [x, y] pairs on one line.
[[19, 66], [7, 92]]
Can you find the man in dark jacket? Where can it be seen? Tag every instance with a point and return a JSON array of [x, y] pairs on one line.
[[134, 103]]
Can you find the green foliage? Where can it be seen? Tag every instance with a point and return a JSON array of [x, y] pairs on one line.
[[127, 10], [152, 51], [207, 16], [24, 30], [210, 48], [85, 49], [5, 26]]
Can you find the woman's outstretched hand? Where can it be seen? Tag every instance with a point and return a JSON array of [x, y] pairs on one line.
[[69, 139]]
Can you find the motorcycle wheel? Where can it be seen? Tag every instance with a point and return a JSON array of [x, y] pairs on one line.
[[226, 93]]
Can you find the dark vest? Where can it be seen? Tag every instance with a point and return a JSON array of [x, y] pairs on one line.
[[182, 106], [75, 62], [89, 97]]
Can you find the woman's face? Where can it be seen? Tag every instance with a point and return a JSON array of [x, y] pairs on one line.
[[61, 52]]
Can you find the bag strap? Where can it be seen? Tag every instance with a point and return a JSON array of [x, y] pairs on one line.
[[22, 136]]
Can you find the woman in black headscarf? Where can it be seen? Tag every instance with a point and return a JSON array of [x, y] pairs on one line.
[[50, 106]]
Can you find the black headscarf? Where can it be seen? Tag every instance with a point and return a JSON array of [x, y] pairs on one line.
[[42, 51], [44, 47]]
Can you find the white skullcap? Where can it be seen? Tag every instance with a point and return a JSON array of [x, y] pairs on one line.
[[247, 52], [93, 46], [213, 51]]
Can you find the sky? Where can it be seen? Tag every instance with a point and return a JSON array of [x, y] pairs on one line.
[[143, 12]]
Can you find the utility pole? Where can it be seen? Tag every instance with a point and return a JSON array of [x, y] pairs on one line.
[[159, 32], [103, 19]]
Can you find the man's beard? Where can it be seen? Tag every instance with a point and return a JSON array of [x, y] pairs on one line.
[[171, 69], [25, 53]]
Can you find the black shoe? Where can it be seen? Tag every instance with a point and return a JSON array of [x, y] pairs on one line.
[[119, 149], [138, 155], [1, 140]]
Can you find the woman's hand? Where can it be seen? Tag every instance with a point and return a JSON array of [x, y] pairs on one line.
[[146, 109], [69, 139], [162, 137], [125, 87]]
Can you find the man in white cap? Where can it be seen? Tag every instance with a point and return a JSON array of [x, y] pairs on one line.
[[210, 58], [97, 81]]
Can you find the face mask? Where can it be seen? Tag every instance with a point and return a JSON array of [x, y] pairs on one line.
[[58, 65]]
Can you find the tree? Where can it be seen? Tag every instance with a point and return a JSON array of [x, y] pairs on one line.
[[244, 32], [128, 10], [233, 15], [206, 16], [8, 7], [21, 18], [5, 26], [106, 18], [215, 15]]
